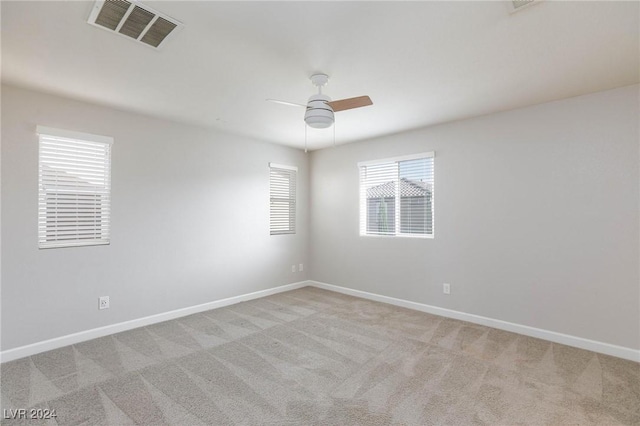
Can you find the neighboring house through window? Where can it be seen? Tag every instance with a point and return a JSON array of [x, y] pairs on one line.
[[282, 193], [396, 196], [74, 188]]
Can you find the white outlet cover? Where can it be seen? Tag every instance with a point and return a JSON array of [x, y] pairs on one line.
[[301, 267], [103, 302], [446, 288], [293, 268]]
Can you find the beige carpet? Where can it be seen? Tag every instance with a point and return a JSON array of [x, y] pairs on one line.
[[313, 357]]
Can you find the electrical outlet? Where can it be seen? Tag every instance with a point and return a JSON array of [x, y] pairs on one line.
[[293, 268], [446, 288], [301, 267], [103, 302]]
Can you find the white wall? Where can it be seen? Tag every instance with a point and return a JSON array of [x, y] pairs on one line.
[[536, 218], [190, 221]]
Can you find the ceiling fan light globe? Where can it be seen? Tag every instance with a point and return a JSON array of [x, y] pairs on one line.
[[319, 120], [319, 115]]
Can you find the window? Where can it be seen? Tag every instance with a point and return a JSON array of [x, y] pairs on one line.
[[396, 196], [282, 192], [74, 188]]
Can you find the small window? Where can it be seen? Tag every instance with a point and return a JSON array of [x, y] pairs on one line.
[[282, 192], [396, 196], [74, 188]]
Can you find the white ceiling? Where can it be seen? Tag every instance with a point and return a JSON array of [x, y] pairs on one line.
[[422, 63]]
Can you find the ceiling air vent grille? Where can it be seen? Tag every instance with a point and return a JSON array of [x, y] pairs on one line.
[[521, 4], [133, 20], [112, 13], [158, 31], [136, 22]]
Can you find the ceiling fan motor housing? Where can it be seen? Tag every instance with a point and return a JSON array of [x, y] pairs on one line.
[[319, 115]]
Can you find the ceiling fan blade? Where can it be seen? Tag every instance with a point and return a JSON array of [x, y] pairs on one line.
[[342, 104], [286, 103]]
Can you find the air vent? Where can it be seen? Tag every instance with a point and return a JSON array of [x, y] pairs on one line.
[[520, 4], [134, 20]]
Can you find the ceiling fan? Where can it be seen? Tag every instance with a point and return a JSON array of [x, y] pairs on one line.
[[320, 107]]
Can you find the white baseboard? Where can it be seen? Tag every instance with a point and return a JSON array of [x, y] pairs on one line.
[[70, 339], [565, 339]]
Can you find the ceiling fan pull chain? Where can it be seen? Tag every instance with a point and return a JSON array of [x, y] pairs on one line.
[[305, 137]]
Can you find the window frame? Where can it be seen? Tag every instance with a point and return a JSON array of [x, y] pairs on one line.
[[100, 192], [292, 200], [362, 199]]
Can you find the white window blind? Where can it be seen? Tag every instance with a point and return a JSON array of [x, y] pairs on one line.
[[282, 192], [74, 188], [396, 196]]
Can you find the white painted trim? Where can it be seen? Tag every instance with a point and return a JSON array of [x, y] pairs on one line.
[[419, 236], [70, 134], [565, 339], [430, 154], [283, 166], [70, 339]]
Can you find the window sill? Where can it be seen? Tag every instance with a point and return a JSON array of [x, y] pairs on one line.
[[419, 237]]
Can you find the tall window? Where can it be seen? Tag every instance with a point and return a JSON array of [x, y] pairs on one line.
[[396, 196], [282, 192], [74, 188]]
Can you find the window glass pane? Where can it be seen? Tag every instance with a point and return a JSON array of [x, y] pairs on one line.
[[416, 196], [380, 188], [74, 190], [381, 218], [282, 190], [396, 196]]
